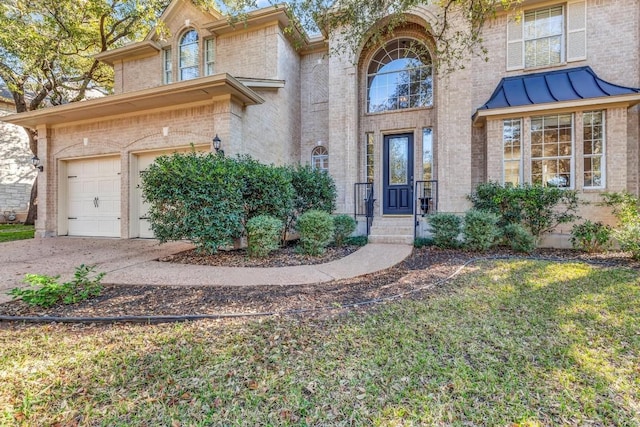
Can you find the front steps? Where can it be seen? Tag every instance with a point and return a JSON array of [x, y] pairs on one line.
[[392, 229]]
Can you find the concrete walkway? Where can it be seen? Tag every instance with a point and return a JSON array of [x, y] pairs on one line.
[[133, 261]]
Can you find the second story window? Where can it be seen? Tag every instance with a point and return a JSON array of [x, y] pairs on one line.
[[167, 67], [320, 159], [548, 36], [543, 37], [400, 76], [209, 57], [189, 56]]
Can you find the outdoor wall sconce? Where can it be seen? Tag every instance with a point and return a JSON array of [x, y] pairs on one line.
[[216, 145], [35, 161]]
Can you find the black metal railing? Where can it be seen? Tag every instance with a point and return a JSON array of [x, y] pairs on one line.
[[426, 202], [364, 200]]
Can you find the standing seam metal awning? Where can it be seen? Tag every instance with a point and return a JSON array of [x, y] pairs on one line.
[[573, 84]]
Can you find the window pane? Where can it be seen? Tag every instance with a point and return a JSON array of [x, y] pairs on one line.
[[370, 159], [593, 123], [427, 154], [400, 77], [543, 36], [551, 156], [189, 56], [511, 141], [398, 161]]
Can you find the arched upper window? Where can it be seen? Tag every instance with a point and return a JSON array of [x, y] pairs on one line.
[[189, 56], [400, 76], [320, 158]]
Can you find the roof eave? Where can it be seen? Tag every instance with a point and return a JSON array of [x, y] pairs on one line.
[[141, 49], [181, 93], [628, 100]]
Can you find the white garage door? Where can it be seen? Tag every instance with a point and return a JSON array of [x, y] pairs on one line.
[[94, 197]]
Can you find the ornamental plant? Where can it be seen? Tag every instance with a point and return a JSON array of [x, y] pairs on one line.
[[45, 291], [344, 226], [316, 230], [539, 209], [591, 236], [263, 235], [445, 228], [480, 230], [626, 208]]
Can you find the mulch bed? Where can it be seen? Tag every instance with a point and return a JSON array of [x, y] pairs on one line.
[[424, 267]]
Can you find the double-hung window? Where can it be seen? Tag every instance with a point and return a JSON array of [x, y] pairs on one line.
[[512, 151], [594, 149], [547, 36], [167, 66], [209, 57]]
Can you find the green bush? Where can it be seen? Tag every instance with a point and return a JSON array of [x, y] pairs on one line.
[[519, 238], [46, 291], [197, 197], [539, 209], [313, 190], [344, 226], [266, 189], [263, 235], [480, 230], [356, 240], [445, 228], [316, 231], [591, 236], [421, 242], [626, 208]]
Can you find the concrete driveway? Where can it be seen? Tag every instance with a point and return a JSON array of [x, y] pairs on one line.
[[133, 262], [60, 255]]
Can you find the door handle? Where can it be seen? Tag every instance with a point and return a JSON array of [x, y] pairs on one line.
[[96, 202]]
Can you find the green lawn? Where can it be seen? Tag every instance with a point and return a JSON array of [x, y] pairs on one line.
[[508, 343], [9, 232]]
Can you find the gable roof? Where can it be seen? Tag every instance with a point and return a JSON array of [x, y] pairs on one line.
[[555, 89]]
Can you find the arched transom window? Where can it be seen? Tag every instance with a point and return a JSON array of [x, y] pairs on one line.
[[400, 76], [189, 56], [320, 158]]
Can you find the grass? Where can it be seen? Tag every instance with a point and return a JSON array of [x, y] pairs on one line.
[[10, 232], [509, 343]]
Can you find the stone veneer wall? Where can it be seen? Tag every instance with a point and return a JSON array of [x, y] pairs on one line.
[[16, 172]]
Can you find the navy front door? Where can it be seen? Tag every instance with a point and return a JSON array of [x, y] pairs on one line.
[[398, 174]]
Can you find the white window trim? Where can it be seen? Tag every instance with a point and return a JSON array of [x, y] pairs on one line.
[[209, 56], [520, 160], [603, 156], [167, 65]]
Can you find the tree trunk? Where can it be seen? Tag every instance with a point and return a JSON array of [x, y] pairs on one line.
[[32, 215]]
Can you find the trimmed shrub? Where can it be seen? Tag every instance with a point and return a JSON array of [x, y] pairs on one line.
[[519, 238], [480, 230], [195, 196], [421, 242], [344, 226], [45, 291], [591, 236], [356, 240], [313, 190], [266, 189], [445, 228], [263, 235], [626, 208], [539, 209], [316, 231]]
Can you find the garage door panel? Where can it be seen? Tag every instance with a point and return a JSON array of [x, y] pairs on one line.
[[94, 197]]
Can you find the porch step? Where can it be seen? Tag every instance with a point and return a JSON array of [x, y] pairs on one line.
[[395, 230]]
